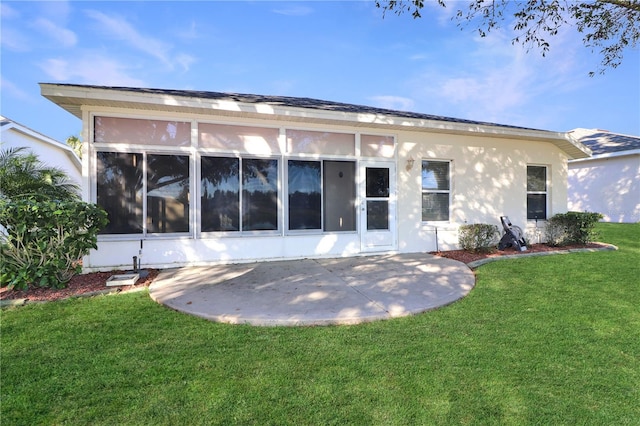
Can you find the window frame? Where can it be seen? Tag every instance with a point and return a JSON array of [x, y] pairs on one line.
[[448, 191], [241, 231], [533, 192], [184, 152]]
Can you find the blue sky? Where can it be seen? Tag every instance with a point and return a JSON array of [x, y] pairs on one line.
[[340, 51]]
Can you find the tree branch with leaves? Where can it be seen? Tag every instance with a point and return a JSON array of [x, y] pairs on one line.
[[609, 26]]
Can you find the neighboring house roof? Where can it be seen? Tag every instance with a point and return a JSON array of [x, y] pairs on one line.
[[72, 97], [8, 124], [607, 144]]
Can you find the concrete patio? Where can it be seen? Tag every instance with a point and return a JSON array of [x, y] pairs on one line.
[[315, 291]]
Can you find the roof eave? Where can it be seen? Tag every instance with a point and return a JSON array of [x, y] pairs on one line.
[[73, 98]]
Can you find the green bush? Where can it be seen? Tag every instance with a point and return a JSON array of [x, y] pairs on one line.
[[478, 237], [571, 228], [43, 241]]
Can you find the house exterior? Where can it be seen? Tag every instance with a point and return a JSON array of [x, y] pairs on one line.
[[49, 151], [192, 177], [609, 181]]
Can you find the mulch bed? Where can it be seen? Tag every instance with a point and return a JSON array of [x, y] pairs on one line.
[[79, 285], [468, 257], [95, 282]]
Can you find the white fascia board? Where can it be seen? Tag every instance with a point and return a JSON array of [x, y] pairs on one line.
[[628, 153], [562, 140]]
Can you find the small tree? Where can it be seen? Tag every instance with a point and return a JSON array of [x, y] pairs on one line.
[[75, 143], [23, 175]]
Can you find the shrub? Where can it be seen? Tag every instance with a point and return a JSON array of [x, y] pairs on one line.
[[44, 241], [571, 228], [478, 237]]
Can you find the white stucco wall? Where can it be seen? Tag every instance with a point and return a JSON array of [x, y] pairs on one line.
[[608, 185], [48, 152], [488, 180]]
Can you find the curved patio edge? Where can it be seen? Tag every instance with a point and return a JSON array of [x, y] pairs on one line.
[[477, 263], [313, 292]]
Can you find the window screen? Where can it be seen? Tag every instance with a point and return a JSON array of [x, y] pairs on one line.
[[536, 192]]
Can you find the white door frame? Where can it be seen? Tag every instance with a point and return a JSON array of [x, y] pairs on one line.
[[377, 240]]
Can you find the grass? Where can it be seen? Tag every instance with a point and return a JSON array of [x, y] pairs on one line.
[[541, 340]]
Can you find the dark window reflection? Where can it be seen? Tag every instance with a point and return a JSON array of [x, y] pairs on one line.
[[435, 206], [220, 198], [119, 191], [259, 195], [377, 215], [305, 200], [536, 206], [167, 193], [377, 182], [536, 178], [339, 195]]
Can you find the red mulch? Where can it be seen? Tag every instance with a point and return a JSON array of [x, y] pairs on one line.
[[467, 257], [92, 282], [79, 284]]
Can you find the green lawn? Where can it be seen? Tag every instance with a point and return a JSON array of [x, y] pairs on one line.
[[540, 340]]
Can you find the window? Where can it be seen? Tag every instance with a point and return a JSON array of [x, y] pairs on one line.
[[321, 143], [377, 186], [220, 194], [140, 131], [223, 203], [119, 191], [321, 195], [305, 200], [167, 193], [339, 179], [536, 192], [259, 195], [436, 189]]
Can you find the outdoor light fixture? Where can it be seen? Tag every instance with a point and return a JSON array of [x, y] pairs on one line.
[[410, 162]]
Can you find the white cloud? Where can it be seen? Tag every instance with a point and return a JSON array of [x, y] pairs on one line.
[[7, 12], [8, 88], [189, 34], [185, 61], [14, 40], [61, 36], [393, 102], [499, 82], [90, 69], [120, 29], [294, 11]]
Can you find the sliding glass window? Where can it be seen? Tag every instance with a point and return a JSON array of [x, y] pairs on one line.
[[305, 196], [220, 194], [259, 195], [238, 194], [321, 194], [167, 193], [119, 191]]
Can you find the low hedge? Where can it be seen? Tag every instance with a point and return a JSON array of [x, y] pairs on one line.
[[478, 237], [572, 228]]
